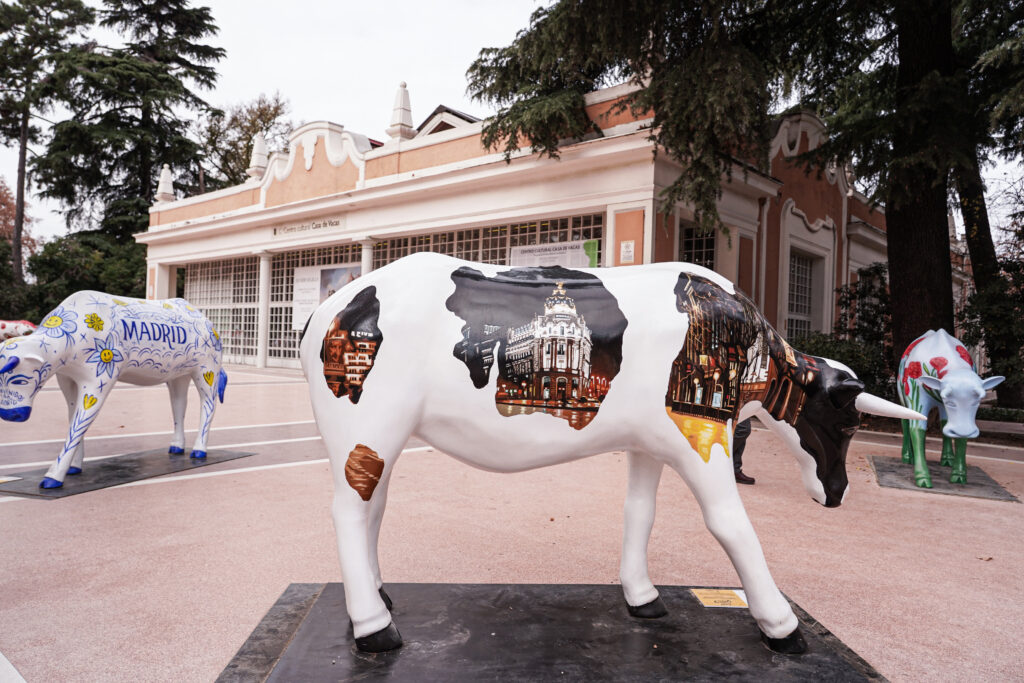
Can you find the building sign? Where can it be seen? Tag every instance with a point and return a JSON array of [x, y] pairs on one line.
[[580, 254], [334, 223], [627, 251], [313, 285]]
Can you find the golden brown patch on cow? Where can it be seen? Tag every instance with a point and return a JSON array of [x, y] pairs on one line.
[[363, 469]]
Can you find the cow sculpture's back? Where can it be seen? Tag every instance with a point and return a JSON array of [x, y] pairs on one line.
[[93, 340], [513, 369]]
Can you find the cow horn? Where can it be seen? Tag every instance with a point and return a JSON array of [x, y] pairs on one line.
[[11, 364], [869, 403]]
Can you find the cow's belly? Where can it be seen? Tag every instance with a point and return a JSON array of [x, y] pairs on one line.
[[144, 377]]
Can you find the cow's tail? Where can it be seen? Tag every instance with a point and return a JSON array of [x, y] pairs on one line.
[[222, 381]]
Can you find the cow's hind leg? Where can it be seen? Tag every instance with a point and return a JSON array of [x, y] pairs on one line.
[[363, 447], [642, 598], [178, 390], [69, 388], [959, 473], [714, 487]]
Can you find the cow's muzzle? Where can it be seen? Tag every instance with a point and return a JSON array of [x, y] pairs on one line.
[[15, 414]]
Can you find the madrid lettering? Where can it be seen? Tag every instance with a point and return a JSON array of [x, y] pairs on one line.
[[139, 330]]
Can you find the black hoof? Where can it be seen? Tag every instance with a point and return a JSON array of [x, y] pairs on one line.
[[655, 609], [383, 640], [386, 598], [793, 644]]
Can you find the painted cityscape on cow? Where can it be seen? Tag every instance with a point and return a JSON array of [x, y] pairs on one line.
[[557, 341], [729, 357], [351, 344]]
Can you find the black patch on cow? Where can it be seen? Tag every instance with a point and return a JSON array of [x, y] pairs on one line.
[[828, 422], [555, 334], [351, 344]]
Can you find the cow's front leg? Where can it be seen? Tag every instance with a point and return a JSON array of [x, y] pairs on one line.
[[959, 473], [714, 486], [69, 389], [86, 408], [922, 477], [946, 459], [642, 598], [178, 390], [206, 385]]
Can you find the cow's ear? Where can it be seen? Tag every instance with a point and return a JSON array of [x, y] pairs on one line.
[[845, 392], [933, 383], [992, 382]]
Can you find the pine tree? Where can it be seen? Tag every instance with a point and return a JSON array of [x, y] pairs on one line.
[[128, 114], [34, 34], [887, 76]]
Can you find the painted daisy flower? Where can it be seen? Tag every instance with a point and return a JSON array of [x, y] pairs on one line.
[[60, 323], [104, 355], [94, 321], [213, 335]]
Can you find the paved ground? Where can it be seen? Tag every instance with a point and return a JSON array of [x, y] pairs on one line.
[[164, 580]]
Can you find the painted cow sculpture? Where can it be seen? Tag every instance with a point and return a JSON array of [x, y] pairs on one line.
[[937, 372], [15, 328], [514, 369], [93, 340]]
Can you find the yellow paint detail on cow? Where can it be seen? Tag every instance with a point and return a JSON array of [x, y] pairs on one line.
[[106, 355], [94, 322], [702, 434], [53, 321], [208, 376], [88, 401]]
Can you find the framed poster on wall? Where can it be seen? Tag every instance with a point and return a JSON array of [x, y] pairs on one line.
[[312, 286]]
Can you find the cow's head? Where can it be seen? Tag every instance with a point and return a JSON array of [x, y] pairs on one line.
[[960, 392], [820, 432], [23, 371]]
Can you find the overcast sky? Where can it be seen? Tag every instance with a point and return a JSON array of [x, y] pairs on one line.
[[343, 61]]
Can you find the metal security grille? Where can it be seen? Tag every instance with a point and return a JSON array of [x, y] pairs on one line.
[[227, 293], [283, 341], [695, 247], [798, 323], [492, 245]]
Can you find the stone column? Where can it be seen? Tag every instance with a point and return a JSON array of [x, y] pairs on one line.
[[161, 281], [367, 257], [263, 311]]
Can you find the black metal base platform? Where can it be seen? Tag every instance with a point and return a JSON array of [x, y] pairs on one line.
[[121, 469], [493, 632], [894, 473]]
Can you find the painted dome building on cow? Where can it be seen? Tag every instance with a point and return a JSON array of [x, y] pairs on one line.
[[548, 359], [258, 257]]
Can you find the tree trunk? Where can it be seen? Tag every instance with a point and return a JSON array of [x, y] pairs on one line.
[[1000, 342], [920, 272], [19, 203]]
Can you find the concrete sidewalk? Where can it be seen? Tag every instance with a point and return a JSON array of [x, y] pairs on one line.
[[163, 581]]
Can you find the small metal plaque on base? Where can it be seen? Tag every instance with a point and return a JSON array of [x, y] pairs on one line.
[[494, 632], [113, 471]]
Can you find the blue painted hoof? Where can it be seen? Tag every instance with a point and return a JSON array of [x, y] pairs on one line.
[[74, 470], [175, 450], [198, 455], [50, 483]]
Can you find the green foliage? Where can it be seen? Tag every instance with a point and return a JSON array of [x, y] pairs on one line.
[[862, 335], [128, 114], [703, 66], [225, 138], [85, 260], [1000, 414]]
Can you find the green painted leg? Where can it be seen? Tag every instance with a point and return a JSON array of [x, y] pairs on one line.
[[907, 453], [921, 476], [946, 459], [959, 473]]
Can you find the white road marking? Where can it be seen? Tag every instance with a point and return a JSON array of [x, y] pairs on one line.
[[237, 470], [8, 674], [969, 455], [187, 431]]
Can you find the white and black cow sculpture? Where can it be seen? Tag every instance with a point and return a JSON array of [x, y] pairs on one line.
[[94, 340], [513, 369]]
